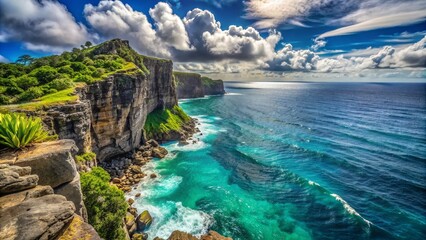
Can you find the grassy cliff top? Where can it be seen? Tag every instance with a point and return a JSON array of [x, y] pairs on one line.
[[33, 83], [165, 120]]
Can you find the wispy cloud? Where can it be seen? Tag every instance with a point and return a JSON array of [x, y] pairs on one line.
[[3, 59], [375, 14]]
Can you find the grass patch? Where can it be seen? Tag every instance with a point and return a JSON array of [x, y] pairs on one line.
[[61, 97], [164, 121]]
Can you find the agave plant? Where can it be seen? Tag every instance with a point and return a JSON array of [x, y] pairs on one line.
[[18, 131]]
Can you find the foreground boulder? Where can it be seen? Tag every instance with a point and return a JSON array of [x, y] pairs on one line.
[[211, 235], [79, 230], [36, 218], [54, 164]]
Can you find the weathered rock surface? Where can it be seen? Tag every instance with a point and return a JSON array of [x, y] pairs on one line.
[[189, 85], [178, 235], [53, 161], [14, 179], [77, 229], [54, 164], [211, 235], [14, 199], [143, 221], [193, 85], [36, 218], [159, 152], [72, 191]]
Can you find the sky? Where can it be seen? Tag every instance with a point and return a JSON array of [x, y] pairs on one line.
[[253, 40]]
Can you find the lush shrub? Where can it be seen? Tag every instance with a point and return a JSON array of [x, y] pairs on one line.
[[66, 69], [98, 72], [18, 131], [30, 94], [84, 78], [112, 65], [26, 82], [44, 74], [61, 84], [4, 99], [86, 157], [8, 82], [11, 91], [105, 203], [78, 66]]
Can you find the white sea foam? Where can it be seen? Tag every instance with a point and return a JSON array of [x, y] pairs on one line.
[[170, 216], [348, 207], [312, 183], [233, 94]]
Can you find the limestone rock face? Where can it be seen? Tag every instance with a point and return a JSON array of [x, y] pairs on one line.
[[36, 218], [71, 121]]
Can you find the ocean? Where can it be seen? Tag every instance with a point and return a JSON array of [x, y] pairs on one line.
[[297, 161]]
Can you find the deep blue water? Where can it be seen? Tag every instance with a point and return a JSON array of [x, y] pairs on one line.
[[298, 161]]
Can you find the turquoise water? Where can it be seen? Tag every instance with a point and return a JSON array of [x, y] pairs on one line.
[[297, 161]]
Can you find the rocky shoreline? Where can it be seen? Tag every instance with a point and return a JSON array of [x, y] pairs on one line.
[[126, 172]]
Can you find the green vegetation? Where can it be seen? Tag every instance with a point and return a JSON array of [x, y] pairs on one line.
[[86, 157], [29, 80], [207, 81], [163, 121], [18, 131], [105, 203]]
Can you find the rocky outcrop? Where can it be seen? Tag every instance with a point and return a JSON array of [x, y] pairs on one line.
[[35, 213], [52, 164], [213, 87], [77, 229], [193, 85], [211, 235]]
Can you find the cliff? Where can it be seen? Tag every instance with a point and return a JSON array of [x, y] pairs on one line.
[[109, 114], [193, 85]]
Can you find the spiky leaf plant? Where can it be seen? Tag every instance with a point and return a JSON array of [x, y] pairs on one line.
[[18, 131]]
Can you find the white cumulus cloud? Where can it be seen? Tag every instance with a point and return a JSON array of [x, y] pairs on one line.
[[40, 24]]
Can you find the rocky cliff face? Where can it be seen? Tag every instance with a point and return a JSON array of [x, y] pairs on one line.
[[213, 87], [193, 85], [189, 85], [110, 115]]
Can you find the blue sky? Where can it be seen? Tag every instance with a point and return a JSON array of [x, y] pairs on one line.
[[231, 39]]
